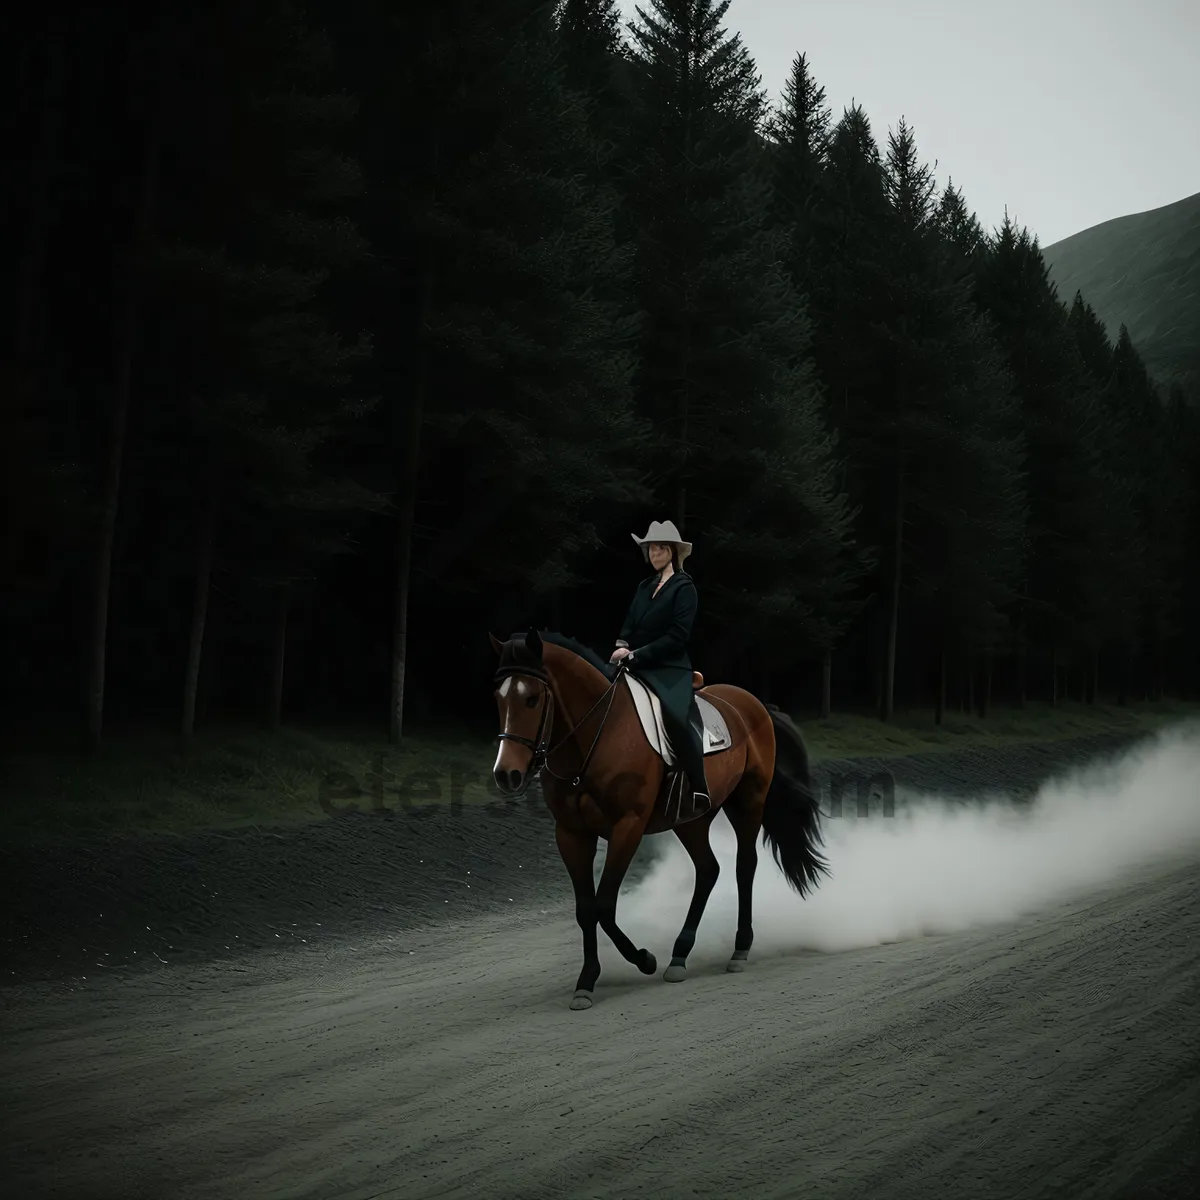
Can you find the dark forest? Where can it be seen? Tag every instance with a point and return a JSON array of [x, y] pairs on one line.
[[340, 335]]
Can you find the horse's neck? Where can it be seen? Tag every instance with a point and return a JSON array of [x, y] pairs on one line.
[[580, 691]]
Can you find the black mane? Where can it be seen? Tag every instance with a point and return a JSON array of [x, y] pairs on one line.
[[607, 669]]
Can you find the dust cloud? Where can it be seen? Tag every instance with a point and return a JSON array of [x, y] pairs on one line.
[[940, 865]]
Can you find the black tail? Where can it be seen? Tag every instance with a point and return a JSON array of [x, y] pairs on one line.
[[791, 821]]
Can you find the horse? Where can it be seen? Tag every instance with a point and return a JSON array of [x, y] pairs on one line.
[[569, 719]]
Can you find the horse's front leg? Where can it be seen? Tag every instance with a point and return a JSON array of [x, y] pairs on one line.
[[622, 845], [578, 854]]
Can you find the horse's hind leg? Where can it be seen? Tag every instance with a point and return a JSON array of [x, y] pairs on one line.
[[578, 854], [694, 836], [744, 809]]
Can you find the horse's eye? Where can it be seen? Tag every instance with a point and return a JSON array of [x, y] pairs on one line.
[[531, 701]]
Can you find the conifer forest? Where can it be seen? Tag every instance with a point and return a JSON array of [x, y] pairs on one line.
[[339, 335]]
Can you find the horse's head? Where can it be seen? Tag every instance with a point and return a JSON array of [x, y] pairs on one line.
[[526, 703]]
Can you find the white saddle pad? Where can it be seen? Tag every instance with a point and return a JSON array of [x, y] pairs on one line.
[[649, 707]]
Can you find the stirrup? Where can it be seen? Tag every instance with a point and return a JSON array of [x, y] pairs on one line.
[[690, 804]]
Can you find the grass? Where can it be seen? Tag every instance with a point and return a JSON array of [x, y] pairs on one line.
[[238, 778], [916, 732]]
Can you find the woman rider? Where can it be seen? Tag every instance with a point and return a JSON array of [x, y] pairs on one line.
[[653, 642]]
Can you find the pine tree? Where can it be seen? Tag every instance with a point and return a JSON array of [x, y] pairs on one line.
[[799, 134], [1109, 616], [798, 138], [947, 438], [744, 451], [590, 36], [847, 345], [1057, 609], [508, 358], [960, 229], [1184, 426], [234, 273], [1159, 486]]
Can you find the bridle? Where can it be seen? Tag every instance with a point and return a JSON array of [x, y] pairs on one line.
[[539, 743]]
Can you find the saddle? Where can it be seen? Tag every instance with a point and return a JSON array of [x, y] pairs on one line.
[[649, 709]]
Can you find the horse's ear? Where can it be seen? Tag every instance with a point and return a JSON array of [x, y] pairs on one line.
[[497, 644], [533, 643]]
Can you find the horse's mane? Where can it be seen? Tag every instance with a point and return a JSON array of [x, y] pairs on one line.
[[607, 669]]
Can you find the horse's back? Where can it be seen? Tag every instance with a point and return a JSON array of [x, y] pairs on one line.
[[747, 705]]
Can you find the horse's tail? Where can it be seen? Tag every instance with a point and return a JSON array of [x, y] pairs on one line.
[[791, 822]]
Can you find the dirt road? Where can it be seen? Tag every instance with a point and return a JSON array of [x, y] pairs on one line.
[[1058, 1056]]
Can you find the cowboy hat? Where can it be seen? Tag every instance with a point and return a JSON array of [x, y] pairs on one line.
[[662, 531]]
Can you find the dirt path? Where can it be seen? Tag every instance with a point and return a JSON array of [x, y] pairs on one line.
[[1057, 1057]]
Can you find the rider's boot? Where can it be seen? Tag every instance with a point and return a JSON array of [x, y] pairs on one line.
[[695, 800]]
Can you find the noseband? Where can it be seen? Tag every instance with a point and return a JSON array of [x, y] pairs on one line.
[[539, 743]]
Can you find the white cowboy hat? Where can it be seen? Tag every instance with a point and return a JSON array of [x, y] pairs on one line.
[[662, 531]]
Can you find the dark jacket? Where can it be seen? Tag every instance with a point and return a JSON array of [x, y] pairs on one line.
[[657, 629]]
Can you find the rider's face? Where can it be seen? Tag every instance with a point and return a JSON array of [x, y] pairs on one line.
[[660, 555]]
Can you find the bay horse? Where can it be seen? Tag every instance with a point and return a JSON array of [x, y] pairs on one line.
[[568, 718]]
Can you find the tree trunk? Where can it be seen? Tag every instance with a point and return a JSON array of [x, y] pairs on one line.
[[278, 656], [985, 696], [888, 705], [125, 337], [939, 709], [405, 522], [1022, 664], [685, 363], [204, 561], [971, 684], [827, 685], [35, 236], [410, 452]]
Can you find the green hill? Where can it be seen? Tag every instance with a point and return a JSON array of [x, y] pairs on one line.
[[1142, 270]]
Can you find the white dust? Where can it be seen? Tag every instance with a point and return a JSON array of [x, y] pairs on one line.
[[939, 865]]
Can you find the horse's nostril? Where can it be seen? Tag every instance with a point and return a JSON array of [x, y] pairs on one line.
[[514, 778]]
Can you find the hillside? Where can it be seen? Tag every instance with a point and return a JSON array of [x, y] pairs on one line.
[[1142, 270]]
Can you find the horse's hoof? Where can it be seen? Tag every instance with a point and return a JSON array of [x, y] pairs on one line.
[[675, 972], [736, 964], [581, 1000], [649, 963]]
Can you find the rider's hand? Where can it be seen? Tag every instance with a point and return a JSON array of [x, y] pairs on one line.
[[619, 653]]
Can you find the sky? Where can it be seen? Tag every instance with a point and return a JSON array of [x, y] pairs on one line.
[[1068, 113]]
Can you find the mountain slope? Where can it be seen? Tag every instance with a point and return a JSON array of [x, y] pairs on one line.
[[1142, 270]]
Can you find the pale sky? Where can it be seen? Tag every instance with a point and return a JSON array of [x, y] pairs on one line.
[[1068, 112]]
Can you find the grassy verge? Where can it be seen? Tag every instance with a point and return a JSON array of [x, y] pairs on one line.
[[239, 778], [849, 736]]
